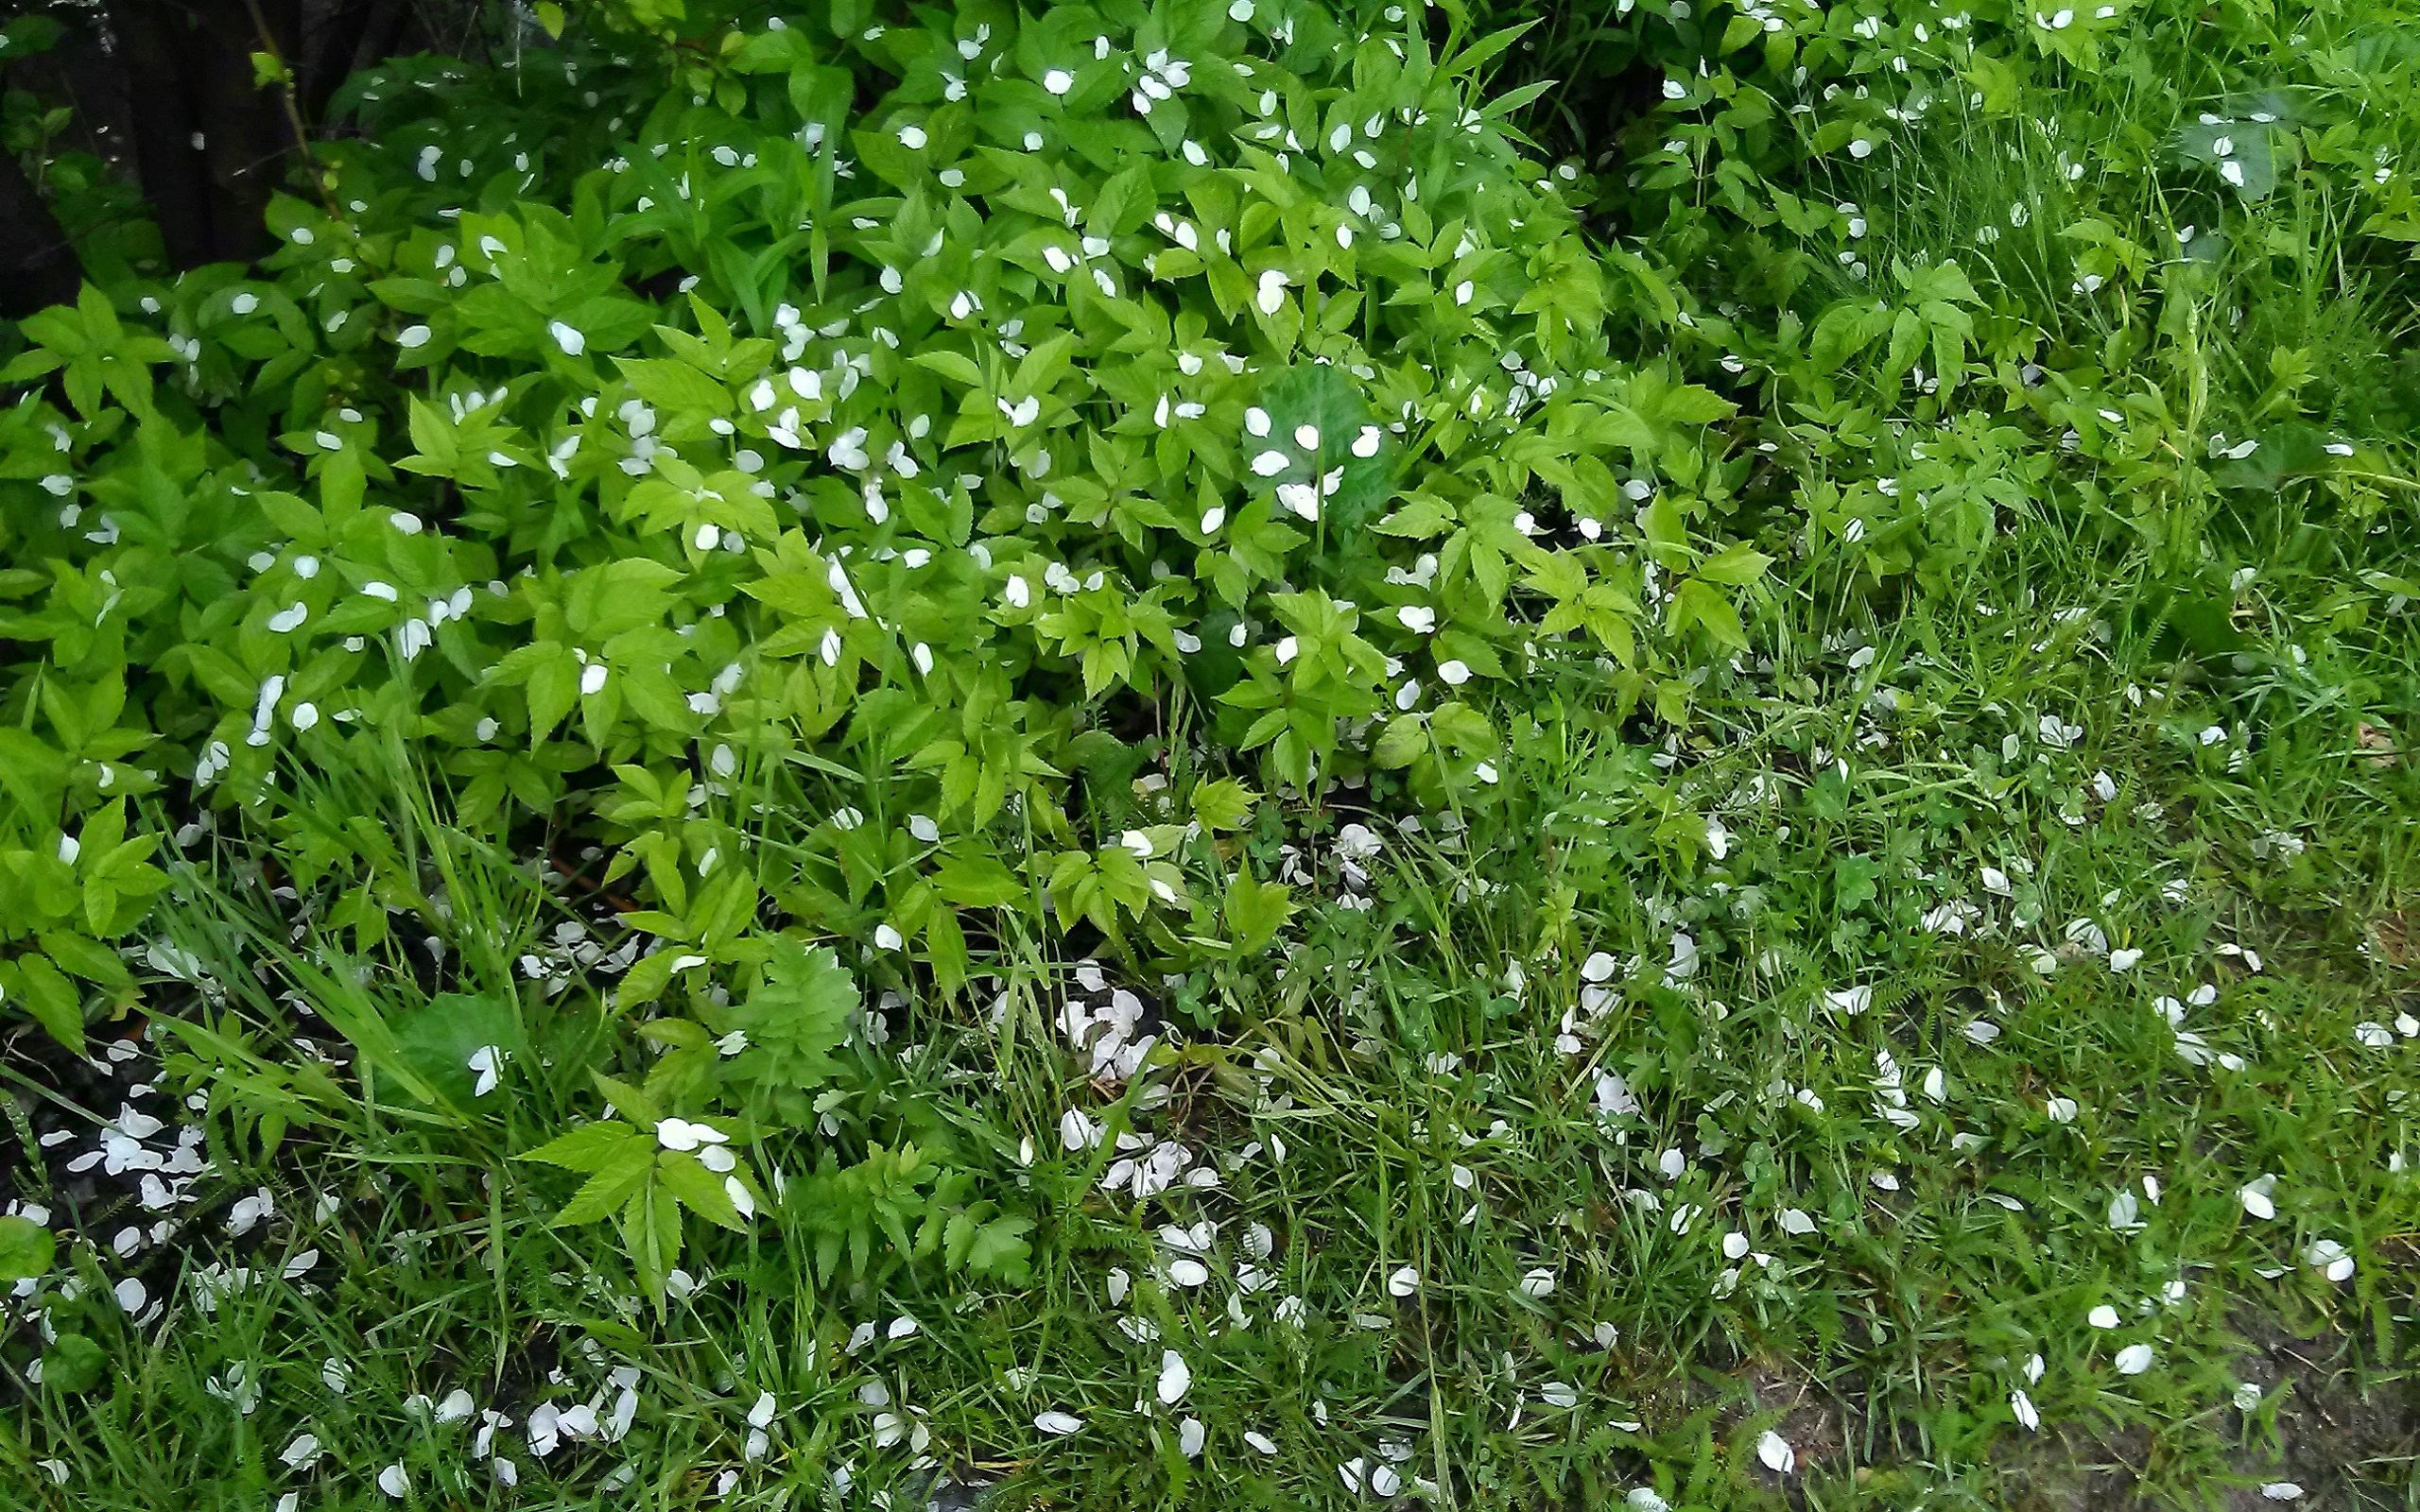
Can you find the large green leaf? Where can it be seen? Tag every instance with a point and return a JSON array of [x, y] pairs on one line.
[[438, 1040], [26, 1249]]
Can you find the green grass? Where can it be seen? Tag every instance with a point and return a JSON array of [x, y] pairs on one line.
[[2172, 715], [1888, 1340]]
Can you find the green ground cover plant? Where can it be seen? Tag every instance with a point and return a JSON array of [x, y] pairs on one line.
[[1232, 754]]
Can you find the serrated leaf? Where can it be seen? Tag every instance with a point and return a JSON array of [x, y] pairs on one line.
[[675, 385], [796, 1017], [1736, 565], [1254, 912], [698, 1190], [627, 1172], [589, 1147]]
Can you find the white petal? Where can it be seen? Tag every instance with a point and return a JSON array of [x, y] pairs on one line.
[[1775, 1452], [1175, 1378]]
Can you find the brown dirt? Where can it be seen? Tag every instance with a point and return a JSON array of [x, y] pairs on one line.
[[2347, 1442], [2345, 1446]]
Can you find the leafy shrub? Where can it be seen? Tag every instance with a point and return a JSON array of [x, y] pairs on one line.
[[2148, 215], [828, 483]]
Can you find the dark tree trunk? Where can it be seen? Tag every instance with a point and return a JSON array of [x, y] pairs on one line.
[[207, 145], [346, 35], [169, 144], [210, 145], [37, 265], [251, 133]]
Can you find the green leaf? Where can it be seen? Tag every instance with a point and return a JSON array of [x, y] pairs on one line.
[[796, 1017], [1701, 604], [628, 1100], [26, 1249], [955, 365], [1853, 882], [438, 1038], [433, 438], [675, 385], [1223, 805], [1402, 741], [996, 1249], [1941, 282], [48, 995], [978, 882], [625, 1172], [1907, 336], [589, 1147], [1255, 911], [1736, 565], [81, 955], [650, 1224], [74, 1364], [698, 1190]]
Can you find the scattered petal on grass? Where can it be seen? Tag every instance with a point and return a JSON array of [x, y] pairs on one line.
[[1673, 1134], [1176, 1377], [1077, 1131], [1775, 1453], [1850, 1000]]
